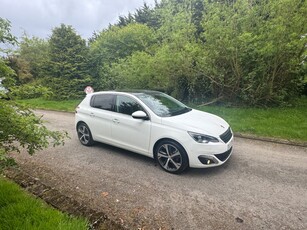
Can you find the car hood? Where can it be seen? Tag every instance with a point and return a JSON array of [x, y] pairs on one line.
[[199, 122]]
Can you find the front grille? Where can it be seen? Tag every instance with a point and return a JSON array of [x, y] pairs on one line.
[[226, 136], [223, 156]]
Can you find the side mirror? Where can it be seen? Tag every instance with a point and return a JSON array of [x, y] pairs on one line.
[[140, 115]]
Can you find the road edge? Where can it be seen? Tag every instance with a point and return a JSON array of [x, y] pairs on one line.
[[270, 139]]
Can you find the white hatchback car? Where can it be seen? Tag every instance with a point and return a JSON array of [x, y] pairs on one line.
[[155, 125]]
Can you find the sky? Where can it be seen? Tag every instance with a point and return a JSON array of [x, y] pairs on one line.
[[39, 17]]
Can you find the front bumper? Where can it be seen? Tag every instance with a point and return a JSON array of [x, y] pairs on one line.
[[209, 155]]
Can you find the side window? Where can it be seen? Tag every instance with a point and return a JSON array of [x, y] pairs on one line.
[[127, 105], [103, 101]]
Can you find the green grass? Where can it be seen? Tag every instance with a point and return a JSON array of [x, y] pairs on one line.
[[19, 210], [39, 103], [282, 122]]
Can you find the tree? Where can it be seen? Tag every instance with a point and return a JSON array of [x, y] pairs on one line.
[[19, 127], [169, 64], [28, 62], [66, 70], [34, 50], [254, 49], [114, 44]]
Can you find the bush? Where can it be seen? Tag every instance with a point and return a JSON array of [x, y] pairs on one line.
[[30, 91]]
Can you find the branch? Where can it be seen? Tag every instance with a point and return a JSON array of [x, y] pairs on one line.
[[211, 102]]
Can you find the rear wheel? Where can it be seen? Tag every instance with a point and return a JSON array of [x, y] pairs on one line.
[[84, 134], [171, 156]]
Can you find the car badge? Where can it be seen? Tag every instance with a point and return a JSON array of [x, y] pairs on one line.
[[223, 127]]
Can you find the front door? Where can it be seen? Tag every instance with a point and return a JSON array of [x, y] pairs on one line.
[[127, 132]]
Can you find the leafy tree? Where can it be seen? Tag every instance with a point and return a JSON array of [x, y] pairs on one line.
[[19, 127], [148, 16], [5, 32], [169, 64], [28, 62], [66, 70], [34, 50], [21, 68], [143, 15], [114, 44], [253, 49]]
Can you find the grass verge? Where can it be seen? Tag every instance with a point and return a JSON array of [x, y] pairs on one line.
[[19, 210], [288, 123], [39, 103]]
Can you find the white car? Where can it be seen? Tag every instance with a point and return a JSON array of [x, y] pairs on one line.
[[155, 125]]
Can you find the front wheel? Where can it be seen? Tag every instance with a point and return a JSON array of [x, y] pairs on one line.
[[171, 156], [84, 134]]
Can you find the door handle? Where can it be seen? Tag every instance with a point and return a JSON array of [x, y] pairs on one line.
[[116, 121], [92, 115]]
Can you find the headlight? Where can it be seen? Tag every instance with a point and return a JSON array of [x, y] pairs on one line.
[[201, 138]]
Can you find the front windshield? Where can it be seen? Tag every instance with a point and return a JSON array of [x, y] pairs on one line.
[[162, 104]]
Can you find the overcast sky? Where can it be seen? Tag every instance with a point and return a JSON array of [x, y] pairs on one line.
[[39, 17]]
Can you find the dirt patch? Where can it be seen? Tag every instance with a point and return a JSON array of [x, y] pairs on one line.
[[97, 219]]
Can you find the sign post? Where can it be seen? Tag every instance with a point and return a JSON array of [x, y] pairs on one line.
[[88, 90]]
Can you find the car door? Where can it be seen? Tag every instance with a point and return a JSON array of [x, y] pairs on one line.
[[127, 132], [100, 122]]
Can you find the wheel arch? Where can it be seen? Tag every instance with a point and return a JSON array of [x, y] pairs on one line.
[[167, 139], [79, 122]]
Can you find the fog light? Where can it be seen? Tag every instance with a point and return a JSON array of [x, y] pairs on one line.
[[206, 160]]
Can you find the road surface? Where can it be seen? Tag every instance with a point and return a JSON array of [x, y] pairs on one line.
[[262, 186]]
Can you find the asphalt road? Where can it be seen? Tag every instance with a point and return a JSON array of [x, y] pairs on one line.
[[262, 186]]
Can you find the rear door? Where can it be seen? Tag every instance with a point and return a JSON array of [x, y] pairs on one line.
[[100, 122]]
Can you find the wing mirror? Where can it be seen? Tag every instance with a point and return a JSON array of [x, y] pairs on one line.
[[140, 115]]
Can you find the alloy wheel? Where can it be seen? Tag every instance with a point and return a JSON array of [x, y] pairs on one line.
[[169, 157], [84, 134]]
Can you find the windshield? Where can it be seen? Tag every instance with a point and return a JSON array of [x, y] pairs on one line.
[[162, 104]]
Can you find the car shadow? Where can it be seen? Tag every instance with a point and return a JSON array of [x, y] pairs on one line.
[[210, 171], [127, 153], [109, 149]]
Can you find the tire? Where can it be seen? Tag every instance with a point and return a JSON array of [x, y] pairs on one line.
[[171, 156], [84, 134]]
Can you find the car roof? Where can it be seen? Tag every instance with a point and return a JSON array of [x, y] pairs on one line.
[[130, 91]]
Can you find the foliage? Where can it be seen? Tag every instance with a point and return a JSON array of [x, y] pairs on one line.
[[19, 127], [28, 91], [143, 15], [5, 32], [114, 44], [7, 75], [19, 210], [35, 51], [22, 69], [253, 50], [66, 71]]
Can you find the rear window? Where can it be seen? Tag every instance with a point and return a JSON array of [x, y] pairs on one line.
[[103, 101]]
